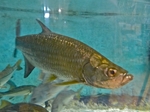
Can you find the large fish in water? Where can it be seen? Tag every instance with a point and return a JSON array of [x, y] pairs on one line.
[[70, 60]]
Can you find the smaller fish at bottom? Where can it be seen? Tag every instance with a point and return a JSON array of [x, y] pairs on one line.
[[18, 91], [45, 92], [23, 107], [63, 98], [7, 73]]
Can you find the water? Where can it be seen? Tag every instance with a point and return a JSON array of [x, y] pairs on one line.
[[117, 29]]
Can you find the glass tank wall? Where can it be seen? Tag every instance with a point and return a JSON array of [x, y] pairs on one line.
[[117, 29]]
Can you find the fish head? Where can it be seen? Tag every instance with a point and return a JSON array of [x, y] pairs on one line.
[[37, 99], [102, 73]]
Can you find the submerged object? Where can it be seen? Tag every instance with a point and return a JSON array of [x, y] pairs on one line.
[[7, 73], [23, 107], [45, 92], [70, 60], [4, 103], [18, 91], [62, 99]]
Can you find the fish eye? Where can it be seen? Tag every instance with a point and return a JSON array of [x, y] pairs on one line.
[[111, 72], [34, 99]]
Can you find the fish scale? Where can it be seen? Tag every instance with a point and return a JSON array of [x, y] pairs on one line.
[[56, 57], [69, 59]]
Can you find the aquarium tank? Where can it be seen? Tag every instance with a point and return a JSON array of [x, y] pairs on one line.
[[75, 55]]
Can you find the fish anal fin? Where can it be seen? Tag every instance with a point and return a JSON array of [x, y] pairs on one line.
[[28, 68], [45, 30], [68, 83], [51, 78]]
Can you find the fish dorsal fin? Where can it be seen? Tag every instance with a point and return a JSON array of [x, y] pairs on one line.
[[45, 30], [28, 68], [8, 66]]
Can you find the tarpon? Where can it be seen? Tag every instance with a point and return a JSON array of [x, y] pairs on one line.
[[70, 60]]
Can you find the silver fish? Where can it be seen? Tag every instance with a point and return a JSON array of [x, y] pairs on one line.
[[45, 92], [7, 73], [18, 91], [63, 99], [70, 60]]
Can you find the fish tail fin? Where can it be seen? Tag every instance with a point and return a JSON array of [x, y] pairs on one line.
[[1, 95], [17, 65], [78, 93], [11, 84], [17, 35], [4, 103]]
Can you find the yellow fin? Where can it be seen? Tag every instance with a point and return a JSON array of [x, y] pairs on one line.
[[50, 78], [18, 65], [68, 83], [4, 103], [78, 93]]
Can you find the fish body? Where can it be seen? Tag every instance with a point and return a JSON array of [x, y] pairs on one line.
[[18, 91], [63, 99], [7, 73], [69, 60], [23, 107], [45, 92]]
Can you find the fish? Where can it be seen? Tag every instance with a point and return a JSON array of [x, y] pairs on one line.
[[70, 60], [11, 84], [44, 92], [7, 73], [4, 103], [18, 91], [63, 99], [23, 107]]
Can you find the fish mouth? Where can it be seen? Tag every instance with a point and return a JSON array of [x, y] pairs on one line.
[[126, 78]]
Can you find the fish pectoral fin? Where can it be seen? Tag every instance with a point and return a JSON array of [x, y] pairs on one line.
[[18, 64], [28, 68], [48, 78], [51, 78], [68, 83]]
